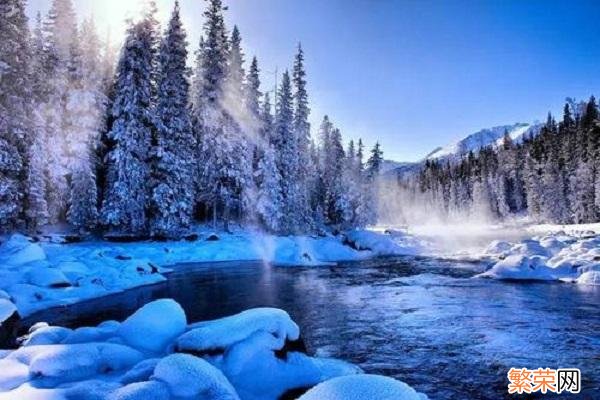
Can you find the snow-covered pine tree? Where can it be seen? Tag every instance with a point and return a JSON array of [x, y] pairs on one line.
[[126, 192], [224, 166], [266, 120], [36, 211], [338, 206], [352, 183], [323, 177], [83, 209], [302, 132], [15, 111], [172, 186], [85, 108], [269, 204], [242, 129], [375, 161], [60, 31], [373, 168], [252, 96], [286, 148]]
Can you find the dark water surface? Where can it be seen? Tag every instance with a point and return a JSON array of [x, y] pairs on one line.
[[423, 321]]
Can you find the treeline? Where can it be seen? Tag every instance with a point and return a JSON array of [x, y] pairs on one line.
[[553, 176], [145, 146]]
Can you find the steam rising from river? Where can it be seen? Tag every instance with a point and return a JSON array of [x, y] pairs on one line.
[[450, 232]]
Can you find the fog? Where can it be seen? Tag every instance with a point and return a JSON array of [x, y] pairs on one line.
[[465, 231]]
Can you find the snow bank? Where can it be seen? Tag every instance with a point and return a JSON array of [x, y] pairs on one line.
[[52, 273], [558, 256], [363, 387], [251, 356]]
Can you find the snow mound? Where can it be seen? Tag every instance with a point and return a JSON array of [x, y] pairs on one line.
[[222, 333], [378, 243], [147, 330], [47, 277], [152, 390], [255, 355], [187, 376], [47, 335], [18, 250], [257, 372], [7, 309], [67, 363], [519, 267], [589, 278], [498, 248], [556, 256], [363, 387]]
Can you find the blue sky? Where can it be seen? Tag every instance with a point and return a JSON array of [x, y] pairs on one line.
[[413, 74]]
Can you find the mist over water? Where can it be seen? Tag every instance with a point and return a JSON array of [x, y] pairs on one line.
[[465, 231]]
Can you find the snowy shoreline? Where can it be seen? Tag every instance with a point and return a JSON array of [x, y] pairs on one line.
[[254, 355], [40, 275], [562, 253]]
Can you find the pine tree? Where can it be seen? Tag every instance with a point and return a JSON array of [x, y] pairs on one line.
[[172, 188], [302, 132], [83, 211], [61, 35], [338, 207], [15, 111], [375, 161], [286, 147], [242, 128], [224, 161], [269, 205], [126, 192]]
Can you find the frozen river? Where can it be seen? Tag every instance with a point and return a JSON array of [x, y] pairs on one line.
[[423, 321]]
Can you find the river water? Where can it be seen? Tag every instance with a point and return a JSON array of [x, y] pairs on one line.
[[425, 321]]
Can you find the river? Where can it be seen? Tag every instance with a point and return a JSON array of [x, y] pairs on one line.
[[425, 321]]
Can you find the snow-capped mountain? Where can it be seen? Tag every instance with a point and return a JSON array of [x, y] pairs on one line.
[[473, 142], [483, 138]]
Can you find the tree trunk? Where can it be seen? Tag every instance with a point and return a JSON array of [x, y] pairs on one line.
[[215, 216]]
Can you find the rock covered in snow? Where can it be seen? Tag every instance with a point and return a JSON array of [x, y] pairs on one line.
[[222, 333], [379, 244], [147, 330], [152, 390], [519, 267], [47, 277], [552, 257], [191, 377], [363, 387], [19, 250], [47, 335], [65, 363], [8, 319], [589, 278]]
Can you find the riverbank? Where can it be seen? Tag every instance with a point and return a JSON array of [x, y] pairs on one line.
[[255, 355], [38, 273]]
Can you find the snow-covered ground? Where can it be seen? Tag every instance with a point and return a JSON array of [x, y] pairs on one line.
[[38, 275], [155, 355]]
